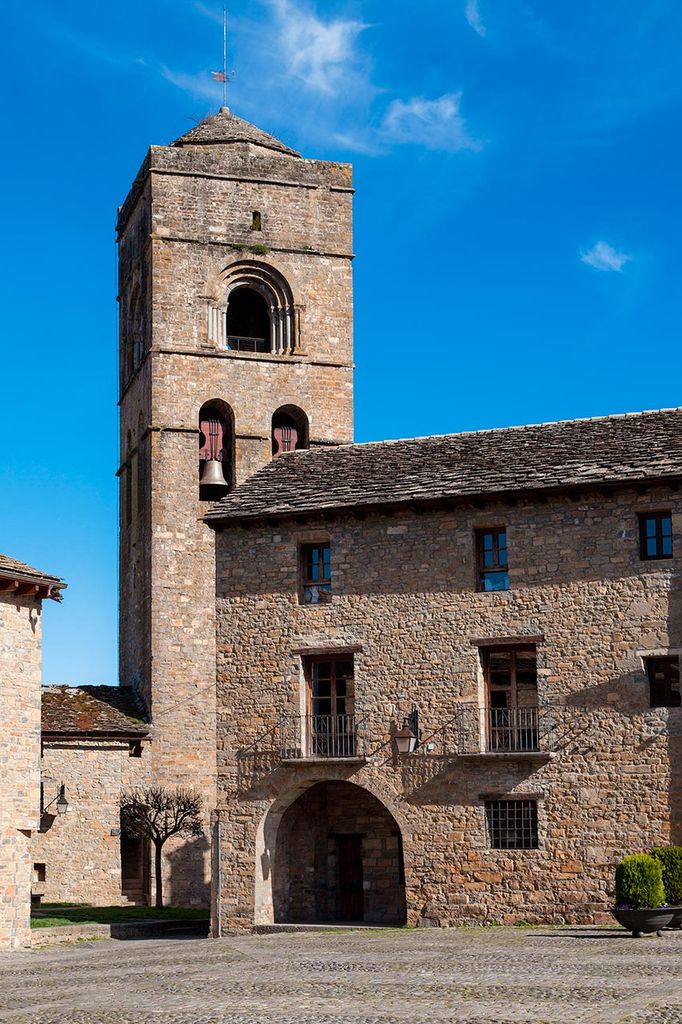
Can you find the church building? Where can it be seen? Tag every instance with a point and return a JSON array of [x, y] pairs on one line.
[[426, 682]]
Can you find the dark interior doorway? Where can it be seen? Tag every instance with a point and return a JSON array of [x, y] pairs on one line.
[[135, 869], [338, 857], [350, 877]]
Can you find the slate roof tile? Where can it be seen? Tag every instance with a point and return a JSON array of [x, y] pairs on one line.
[[225, 127], [13, 567], [92, 709], [610, 449]]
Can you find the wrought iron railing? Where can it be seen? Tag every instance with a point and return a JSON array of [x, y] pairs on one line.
[[320, 736], [512, 729], [515, 730], [242, 343]]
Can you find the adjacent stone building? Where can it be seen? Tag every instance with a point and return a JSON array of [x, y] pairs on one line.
[[95, 745], [22, 592], [510, 599]]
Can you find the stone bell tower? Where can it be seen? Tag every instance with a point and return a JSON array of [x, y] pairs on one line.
[[235, 291]]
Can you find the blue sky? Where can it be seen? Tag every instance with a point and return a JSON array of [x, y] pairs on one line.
[[517, 225]]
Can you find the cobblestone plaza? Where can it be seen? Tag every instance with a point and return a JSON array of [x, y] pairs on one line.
[[491, 975]]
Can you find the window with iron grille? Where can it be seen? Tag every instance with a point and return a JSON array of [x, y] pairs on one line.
[[316, 572], [512, 824], [655, 535], [664, 681], [491, 553]]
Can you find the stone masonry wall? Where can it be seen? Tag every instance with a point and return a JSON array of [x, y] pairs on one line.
[[81, 849], [187, 221], [405, 604], [20, 640]]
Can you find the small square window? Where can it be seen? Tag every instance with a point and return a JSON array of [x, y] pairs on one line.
[[655, 535], [491, 554], [512, 824], [316, 573], [664, 681]]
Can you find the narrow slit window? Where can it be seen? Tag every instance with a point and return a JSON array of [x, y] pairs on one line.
[[256, 221]]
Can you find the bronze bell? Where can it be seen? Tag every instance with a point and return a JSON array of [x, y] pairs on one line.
[[212, 474]]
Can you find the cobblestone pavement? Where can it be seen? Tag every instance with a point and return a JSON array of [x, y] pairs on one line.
[[491, 975]]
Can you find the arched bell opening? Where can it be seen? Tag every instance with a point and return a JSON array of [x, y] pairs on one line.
[[338, 856], [248, 325], [290, 430], [216, 450], [133, 349]]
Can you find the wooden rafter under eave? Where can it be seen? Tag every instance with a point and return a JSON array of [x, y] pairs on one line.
[[40, 589]]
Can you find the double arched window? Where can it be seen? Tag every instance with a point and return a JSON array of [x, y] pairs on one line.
[[256, 311]]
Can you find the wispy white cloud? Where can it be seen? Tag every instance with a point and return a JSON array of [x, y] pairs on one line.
[[212, 13], [358, 142], [473, 16], [198, 84], [321, 53], [436, 124], [603, 256]]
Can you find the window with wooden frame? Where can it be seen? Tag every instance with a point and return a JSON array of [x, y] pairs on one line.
[[512, 824], [330, 727], [316, 572], [491, 556], [655, 535], [664, 681], [511, 682]]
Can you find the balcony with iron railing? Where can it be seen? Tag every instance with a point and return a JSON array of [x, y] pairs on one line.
[[505, 732], [313, 737], [468, 732]]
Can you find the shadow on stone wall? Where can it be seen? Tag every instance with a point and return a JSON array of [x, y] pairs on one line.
[[187, 874]]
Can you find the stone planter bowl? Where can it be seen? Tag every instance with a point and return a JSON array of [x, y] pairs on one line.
[[644, 922], [677, 917]]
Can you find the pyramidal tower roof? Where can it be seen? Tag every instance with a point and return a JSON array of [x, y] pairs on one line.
[[224, 128]]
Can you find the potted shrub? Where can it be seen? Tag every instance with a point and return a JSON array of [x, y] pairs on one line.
[[640, 895], [670, 858]]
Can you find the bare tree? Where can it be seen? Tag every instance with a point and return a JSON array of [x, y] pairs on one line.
[[157, 813]]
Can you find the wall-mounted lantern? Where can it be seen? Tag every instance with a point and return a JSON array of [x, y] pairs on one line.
[[407, 739], [62, 802]]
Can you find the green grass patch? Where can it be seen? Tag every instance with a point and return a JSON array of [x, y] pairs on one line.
[[50, 915]]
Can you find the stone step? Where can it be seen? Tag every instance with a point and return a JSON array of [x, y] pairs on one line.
[[273, 929]]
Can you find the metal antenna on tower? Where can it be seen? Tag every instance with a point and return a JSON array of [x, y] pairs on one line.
[[222, 76]]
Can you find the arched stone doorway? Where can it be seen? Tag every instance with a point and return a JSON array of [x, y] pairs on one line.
[[338, 857]]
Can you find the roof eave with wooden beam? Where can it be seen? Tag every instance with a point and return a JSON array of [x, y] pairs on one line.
[[40, 588]]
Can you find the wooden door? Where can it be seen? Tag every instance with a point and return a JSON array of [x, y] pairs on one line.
[[350, 878]]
